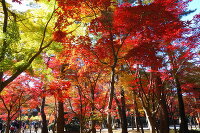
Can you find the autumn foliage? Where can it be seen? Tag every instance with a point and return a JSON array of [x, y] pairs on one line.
[[112, 61]]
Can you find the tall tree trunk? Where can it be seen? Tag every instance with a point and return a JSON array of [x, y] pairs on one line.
[[181, 107], [93, 126], [81, 117], [55, 116], [111, 95], [5, 25], [93, 109], [165, 115], [109, 123], [60, 119], [81, 125], [120, 112], [43, 115], [137, 113], [164, 119], [151, 121], [5, 44], [123, 113], [8, 123], [183, 125], [148, 104]]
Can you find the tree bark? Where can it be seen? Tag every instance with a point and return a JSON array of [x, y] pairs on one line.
[[93, 126], [151, 121], [164, 128], [109, 123], [123, 113], [8, 124], [164, 114], [93, 122], [183, 125], [148, 104], [5, 45], [81, 116], [5, 25], [137, 113], [111, 95], [60, 119], [43, 115]]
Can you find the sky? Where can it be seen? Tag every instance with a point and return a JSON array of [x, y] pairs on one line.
[[22, 7], [195, 4]]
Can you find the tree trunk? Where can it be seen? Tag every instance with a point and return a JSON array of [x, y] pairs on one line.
[[137, 113], [5, 44], [183, 125], [60, 119], [93, 122], [123, 113], [164, 128], [55, 116], [109, 123], [112, 88], [81, 117], [119, 110], [93, 126], [151, 121], [164, 119], [43, 115], [81, 125], [8, 123]]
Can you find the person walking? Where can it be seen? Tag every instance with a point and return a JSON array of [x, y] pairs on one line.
[[1, 127], [36, 126], [12, 129]]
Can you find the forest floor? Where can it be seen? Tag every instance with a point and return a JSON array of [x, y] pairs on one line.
[[106, 131], [119, 131], [145, 130], [130, 131]]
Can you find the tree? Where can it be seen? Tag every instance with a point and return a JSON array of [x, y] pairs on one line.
[[59, 87], [14, 62], [17, 95], [98, 42], [110, 37]]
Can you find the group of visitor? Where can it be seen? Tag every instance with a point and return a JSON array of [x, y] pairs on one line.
[[16, 126], [2, 127]]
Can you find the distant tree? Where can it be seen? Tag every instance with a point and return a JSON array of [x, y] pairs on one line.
[[24, 91]]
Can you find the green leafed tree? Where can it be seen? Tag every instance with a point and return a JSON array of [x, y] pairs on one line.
[[24, 36]]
